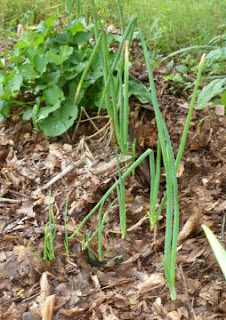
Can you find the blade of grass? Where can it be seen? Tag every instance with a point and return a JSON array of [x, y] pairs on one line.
[[126, 34], [96, 47], [185, 131], [152, 214], [171, 184], [126, 100], [120, 17], [65, 230], [95, 19], [121, 199], [69, 8], [50, 233]]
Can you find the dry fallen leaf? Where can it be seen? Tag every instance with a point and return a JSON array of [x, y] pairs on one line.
[[49, 307], [154, 280], [191, 225], [44, 292]]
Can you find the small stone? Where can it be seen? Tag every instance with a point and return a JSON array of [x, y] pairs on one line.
[[67, 147], [219, 110], [31, 316]]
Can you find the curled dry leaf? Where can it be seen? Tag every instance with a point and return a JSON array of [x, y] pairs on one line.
[[44, 293], [49, 307], [192, 224], [154, 280]]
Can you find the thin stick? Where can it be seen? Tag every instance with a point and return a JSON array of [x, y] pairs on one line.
[[98, 132], [63, 173], [10, 200]]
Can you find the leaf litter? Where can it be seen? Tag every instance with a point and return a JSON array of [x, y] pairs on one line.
[[131, 286]]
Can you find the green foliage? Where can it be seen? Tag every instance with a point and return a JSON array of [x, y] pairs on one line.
[[213, 89], [168, 25], [215, 66], [66, 245], [171, 24], [50, 234], [47, 64], [52, 73], [218, 250]]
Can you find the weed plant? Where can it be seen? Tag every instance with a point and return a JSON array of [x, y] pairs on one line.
[[50, 234]]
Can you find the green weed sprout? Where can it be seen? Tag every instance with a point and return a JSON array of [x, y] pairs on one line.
[[218, 250], [185, 131], [65, 230], [116, 91], [69, 7], [121, 199], [95, 49], [50, 234], [172, 211]]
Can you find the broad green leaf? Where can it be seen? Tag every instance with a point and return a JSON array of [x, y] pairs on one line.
[[81, 37], [213, 89], [40, 87], [78, 56], [5, 108], [31, 53], [170, 65], [39, 39], [40, 63], [174, 78], [65, 52], [47, 24], [59, 57], [28, 72], [44, 112], [27, 115], [52, 77], [53, 95], [216, 55], [25, 41], [60, 121], [2, 63], [63, 38], [76, 26], [138, 90], [181, 69], [14, 83], [53, 57]]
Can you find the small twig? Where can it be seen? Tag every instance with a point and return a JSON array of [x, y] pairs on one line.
[[138, 224], [109, 165], [10, 200], [94, 118], [98, 132], [63, 173], [90, 119]]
